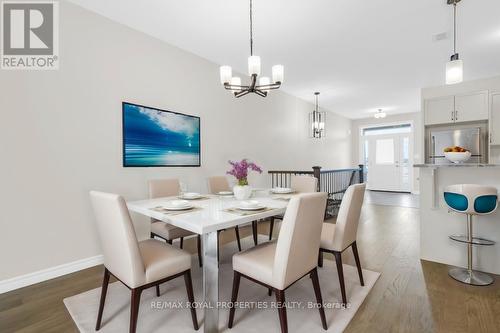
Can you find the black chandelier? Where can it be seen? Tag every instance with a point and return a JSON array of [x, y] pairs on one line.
[[234, 85]]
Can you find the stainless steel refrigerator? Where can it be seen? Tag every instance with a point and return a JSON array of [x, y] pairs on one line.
[[470, 138]]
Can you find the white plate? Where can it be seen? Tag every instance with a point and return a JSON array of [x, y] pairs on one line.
[[191, 196], [282, 190], [225, 193], [259, 207], [178, 205], [178, 208]]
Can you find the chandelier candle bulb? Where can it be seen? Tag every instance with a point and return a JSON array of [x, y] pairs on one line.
[[278, 73], [253, 65], [225, 74]]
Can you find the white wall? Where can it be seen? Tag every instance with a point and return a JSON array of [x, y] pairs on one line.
[[413, 118], [60, 135]]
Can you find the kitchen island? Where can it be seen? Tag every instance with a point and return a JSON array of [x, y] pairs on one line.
[[437, 223]]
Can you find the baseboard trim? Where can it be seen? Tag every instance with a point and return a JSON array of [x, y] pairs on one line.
[[49, 273]]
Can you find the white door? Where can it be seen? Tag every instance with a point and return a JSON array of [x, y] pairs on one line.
[[471, 107], [388, 161]]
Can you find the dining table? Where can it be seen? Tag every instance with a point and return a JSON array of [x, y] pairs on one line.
[[210, 214]]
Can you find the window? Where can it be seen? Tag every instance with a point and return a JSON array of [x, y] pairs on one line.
[[405, 128]]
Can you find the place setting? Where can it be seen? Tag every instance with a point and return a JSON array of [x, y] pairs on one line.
[[192, 196], [286, 193], [248, 207], [175, 207]]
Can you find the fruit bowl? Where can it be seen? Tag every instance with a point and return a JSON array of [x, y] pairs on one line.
[[457, 157]]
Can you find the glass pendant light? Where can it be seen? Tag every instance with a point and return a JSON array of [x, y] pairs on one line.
[[455, 67]]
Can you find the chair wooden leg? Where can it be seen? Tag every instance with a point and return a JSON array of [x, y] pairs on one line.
[[200, 258], [280, 300], [152, 235], [358, 263], [234, 297], [320, 259], [104, 290], [255, 232], [271, 227], [135, 300], [189, 289], [319, 299], [340, 270], [182, 242], [157, 290], [237, 231]]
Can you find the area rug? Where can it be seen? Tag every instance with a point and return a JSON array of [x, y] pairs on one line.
[[167, 313]]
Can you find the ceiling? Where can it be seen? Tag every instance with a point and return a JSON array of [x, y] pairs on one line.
[[361, 55]]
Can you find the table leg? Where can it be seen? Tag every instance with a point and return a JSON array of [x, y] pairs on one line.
[[210, 282]]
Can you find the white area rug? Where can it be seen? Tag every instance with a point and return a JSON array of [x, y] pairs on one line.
[[153, 318]]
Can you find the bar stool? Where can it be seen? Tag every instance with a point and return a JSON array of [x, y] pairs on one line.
[[471, 200]]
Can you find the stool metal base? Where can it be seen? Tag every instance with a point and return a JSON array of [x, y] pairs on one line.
[[474, 278]]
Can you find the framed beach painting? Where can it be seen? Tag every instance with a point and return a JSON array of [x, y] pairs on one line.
[[159, 138]]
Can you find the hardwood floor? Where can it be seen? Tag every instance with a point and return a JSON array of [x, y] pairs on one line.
[[410, 296]]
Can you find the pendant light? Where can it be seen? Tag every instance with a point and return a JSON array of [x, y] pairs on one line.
[[317, 121], [454, 68], [265, 84]]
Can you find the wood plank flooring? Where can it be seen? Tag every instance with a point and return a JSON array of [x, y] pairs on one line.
[[410, 296]]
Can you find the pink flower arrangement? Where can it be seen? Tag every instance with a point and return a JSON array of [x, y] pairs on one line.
[[240, 170]]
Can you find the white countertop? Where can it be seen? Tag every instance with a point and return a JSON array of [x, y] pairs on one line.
[[457, 165]]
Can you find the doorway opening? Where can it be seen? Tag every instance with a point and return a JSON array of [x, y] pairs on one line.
[[388, 156]]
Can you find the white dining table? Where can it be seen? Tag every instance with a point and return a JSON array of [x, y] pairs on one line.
[[209, 216]]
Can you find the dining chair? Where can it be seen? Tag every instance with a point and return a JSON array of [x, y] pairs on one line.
[[218, 184], [138, 265], [299, 184], [159, 188], [277, 265], [336, 238]]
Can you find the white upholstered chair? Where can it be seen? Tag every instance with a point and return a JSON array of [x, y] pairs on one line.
[[336, 238], [279, 264], [299, 184], [159, 188], [138, 265], [218, 184]]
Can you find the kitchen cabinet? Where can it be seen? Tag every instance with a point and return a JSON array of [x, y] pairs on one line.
[[456, 108], [495, 118], [471, 107], [439, 110]]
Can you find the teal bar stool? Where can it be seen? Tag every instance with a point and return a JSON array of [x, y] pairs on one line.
[[471, 200]]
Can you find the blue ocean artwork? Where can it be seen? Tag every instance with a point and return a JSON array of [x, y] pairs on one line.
[[153, 137]]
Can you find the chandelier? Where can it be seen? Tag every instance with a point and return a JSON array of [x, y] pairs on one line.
[[317, 121], [454, 67], [233, 83]]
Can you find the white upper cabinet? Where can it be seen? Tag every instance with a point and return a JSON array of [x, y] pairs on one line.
[[439, 110], [471, 107], [495, 118], [457, 108]]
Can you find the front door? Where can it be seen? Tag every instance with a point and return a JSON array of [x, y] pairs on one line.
[[388, 159]]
